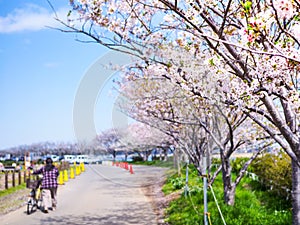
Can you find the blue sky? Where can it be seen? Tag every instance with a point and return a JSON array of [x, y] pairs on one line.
[[40, 72]]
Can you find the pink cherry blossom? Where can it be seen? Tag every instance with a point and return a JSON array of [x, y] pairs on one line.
[[296, 30], [284, 8]]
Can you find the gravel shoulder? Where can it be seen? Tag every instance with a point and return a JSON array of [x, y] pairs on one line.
[[158, 199], [13, 201]]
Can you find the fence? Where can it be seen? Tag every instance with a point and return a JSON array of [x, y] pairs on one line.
[[12, 178]]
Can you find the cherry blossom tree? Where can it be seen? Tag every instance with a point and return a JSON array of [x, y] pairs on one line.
[[143, 139], [231, 133], [159, 102], [108, 140], [258, 42]]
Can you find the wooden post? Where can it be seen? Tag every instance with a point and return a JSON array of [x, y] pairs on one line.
[[25, 177], [20, 177], [13, 177], [6, 180]]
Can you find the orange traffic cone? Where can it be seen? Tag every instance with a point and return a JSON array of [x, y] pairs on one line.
[[131, 169]]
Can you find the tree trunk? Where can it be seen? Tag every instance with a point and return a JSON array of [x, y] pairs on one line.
[[148, 153], [114, 155], [160, 154], [229, 194], [145, 156], [229, 189], [295, 193], [177, 162], [165, 155]]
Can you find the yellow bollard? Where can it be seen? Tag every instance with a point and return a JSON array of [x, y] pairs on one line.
[[78, 170], [82, 167], [66, 177], [72, 175], [61, 178]]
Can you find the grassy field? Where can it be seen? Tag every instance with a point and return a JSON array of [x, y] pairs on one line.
[[253, 204]]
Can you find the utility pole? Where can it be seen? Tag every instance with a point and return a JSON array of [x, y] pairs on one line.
[[186, 189], [204, 174]]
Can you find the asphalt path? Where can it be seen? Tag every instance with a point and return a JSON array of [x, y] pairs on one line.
[[102, 195]]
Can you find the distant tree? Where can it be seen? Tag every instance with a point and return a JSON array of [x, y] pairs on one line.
[[143, 139], [108, 140]]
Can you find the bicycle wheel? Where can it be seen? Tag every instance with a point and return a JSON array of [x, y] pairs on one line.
[[30, 206]]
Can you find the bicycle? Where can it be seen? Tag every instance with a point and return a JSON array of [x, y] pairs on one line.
[[34, 201]]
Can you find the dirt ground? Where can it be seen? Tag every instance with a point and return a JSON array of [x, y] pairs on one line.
[[158, 199], [13, 201]]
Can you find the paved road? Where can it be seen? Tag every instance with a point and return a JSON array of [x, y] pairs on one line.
[[102, 195]]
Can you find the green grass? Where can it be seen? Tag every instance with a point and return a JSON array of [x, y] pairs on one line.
[[252, 205], [12, 190], [169, 163]]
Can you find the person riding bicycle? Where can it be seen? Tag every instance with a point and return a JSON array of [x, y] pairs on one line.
[[49, 184]]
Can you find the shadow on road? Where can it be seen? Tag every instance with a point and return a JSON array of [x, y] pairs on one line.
[[131, 216]]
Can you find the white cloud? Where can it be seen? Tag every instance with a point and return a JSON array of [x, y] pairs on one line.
[[30, 18]]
